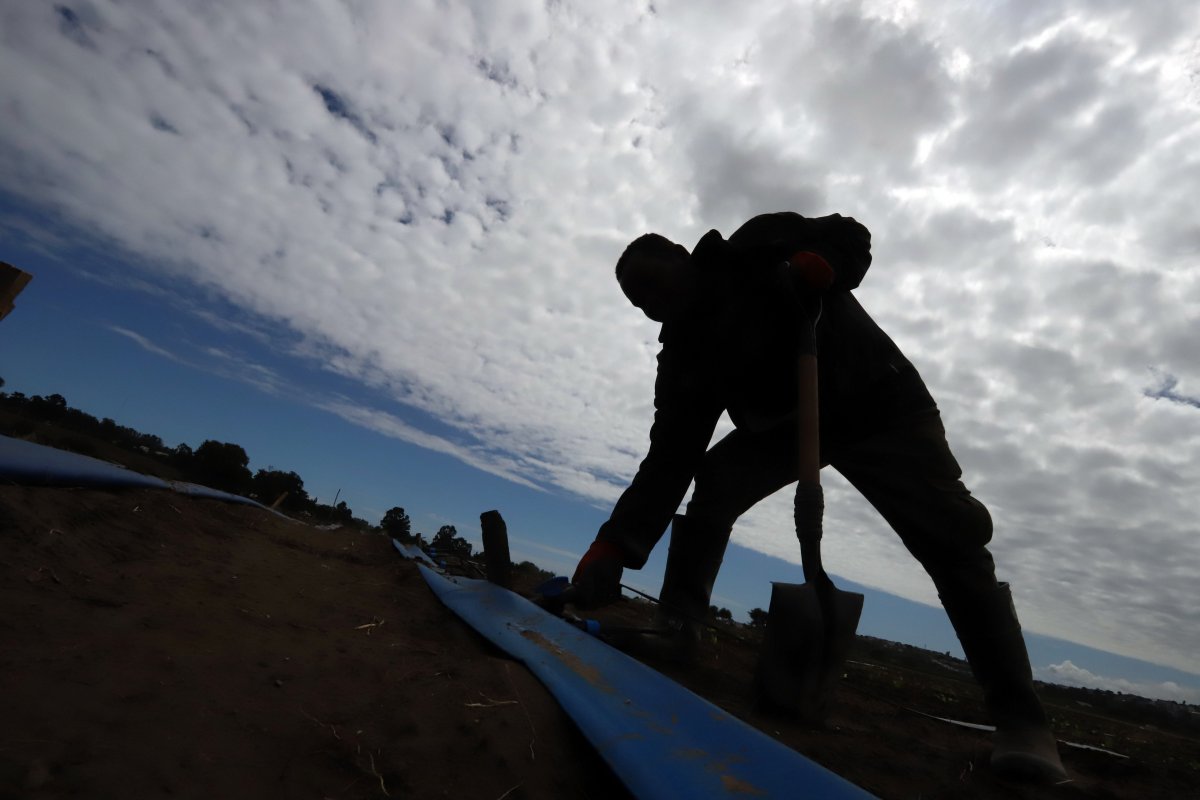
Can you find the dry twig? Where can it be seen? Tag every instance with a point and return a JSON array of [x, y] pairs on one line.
[[329, 725], [490, 702], [382, 786]]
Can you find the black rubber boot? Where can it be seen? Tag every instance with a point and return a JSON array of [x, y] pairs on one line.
[[1024, 747], [693, 561]]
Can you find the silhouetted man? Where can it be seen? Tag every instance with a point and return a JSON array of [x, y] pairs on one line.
[[734, 314]]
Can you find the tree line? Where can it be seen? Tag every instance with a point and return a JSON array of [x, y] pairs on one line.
[[225, 466], [216, 464]]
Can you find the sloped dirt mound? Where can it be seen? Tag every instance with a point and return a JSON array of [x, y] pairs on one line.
[[161, 645]]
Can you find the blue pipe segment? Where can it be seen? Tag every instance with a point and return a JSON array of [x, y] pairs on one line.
[[413, 553], [28, 464], [662, 740]]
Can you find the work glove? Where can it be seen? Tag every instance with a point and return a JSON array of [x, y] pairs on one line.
[[597, 579], [846, 244]]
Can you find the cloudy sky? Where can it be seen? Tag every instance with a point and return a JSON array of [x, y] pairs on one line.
[[407, 214]]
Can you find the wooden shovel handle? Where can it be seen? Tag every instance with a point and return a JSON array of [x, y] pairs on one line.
[[810, 501], [809, 421]]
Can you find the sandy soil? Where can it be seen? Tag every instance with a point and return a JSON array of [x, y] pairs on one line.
[[157, 645]]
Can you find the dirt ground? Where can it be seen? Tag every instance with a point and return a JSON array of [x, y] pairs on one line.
[[158, 645]]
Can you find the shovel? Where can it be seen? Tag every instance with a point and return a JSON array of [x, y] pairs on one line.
[[810, 626]]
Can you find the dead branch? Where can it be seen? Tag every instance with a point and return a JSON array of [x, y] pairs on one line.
[[332, 728], [490, 702], [382, 786]]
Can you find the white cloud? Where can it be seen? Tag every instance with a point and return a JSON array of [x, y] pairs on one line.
[[428, 200], [1068, 674], [144, 343]]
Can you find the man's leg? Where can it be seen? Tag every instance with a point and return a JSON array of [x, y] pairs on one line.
[[910, 476], [736, 473]]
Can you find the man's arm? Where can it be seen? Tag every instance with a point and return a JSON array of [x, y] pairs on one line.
[[685, 417]]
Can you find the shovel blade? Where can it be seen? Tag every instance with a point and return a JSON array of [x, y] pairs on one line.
[[809, 633]]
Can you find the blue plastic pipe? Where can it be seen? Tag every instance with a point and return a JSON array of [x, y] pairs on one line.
[[662, 740]]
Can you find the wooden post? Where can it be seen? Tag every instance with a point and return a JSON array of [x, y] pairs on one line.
[[495, 548]]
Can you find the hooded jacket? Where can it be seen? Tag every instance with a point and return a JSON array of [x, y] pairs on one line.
[[736, 348]]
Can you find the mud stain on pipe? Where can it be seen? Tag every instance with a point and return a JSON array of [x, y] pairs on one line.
[[572, 661]]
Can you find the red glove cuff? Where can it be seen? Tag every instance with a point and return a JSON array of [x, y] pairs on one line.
[[601, 550], [814, 271]]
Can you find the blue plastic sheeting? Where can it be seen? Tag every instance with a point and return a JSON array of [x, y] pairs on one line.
[[662, 740], [414, 553], [32, 464], [28, 464]]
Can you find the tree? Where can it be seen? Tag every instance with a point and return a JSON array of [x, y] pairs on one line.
[[758, 618], [448, 542], [721, 613], [444, 536], [537, 574], [150, 443], [270, 484], [395, 523], [49, 409], [181, 457], [222, 465]]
